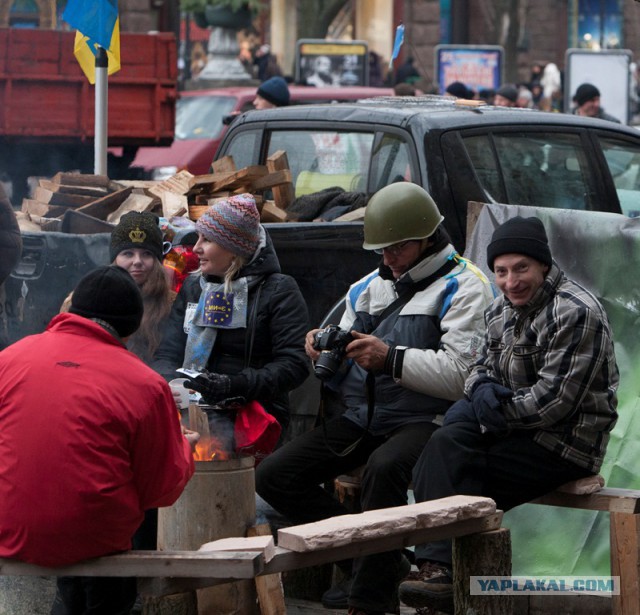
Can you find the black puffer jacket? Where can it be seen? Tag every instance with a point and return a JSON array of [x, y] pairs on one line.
[[279, 321]]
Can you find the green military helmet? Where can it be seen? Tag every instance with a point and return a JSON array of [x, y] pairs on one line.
[[399, 212]]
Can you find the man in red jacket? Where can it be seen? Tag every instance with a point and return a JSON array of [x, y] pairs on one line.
[[89, 439]]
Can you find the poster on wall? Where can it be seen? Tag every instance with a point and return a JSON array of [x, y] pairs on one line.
[[323, 63], [478, 67]]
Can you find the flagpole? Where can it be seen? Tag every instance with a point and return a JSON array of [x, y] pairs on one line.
[[101, 112]]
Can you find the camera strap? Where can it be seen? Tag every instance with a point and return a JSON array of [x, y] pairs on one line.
[[370, 383]]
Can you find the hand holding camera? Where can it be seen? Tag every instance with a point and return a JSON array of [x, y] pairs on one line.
[[366, 350]]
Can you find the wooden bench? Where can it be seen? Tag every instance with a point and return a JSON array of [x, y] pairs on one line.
[[161, 573], [623, 506]]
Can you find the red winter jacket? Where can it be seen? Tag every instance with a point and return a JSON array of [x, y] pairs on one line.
[[89, 439]]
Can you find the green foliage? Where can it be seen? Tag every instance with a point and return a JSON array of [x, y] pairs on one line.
[[199, 5]]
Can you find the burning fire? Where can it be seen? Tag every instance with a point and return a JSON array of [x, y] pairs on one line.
[[209, 448], [212, 446]]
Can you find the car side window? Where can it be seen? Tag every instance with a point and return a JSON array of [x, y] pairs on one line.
[[623, 160], [391, 162], [532, 168]]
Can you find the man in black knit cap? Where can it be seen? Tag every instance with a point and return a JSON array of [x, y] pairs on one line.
[[539, 403], [587, 99]]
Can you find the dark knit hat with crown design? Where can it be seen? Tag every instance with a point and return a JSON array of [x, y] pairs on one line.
[[520, 236], [137, 230]]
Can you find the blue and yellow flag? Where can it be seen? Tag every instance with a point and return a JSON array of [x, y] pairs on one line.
[[397, 43], [97, 24]]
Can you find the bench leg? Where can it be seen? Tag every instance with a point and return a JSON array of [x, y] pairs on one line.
[[625, 561], [486, 554], [269, 586]]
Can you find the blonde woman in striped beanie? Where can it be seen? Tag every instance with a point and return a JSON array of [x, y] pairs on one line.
[[238, 320]]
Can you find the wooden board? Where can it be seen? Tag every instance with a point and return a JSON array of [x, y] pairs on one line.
[[283, 194], [609, 499], [101, 208], [376, 524], [95, 191]]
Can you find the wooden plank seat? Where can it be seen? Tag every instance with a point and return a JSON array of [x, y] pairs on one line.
[[584, 494], [330, 540]]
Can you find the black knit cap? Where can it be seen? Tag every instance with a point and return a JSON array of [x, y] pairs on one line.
[[509, 92], [137, 230], [110, 294], [520, 236], [275, 90], [584, 93]]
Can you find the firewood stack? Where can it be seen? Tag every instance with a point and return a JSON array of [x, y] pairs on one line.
[[77, 203]]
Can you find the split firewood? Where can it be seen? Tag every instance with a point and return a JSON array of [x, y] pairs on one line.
[[37, 208], [101, 208], [284, 193], [271, 213], [223, 165], [95, 191], [66, 199]]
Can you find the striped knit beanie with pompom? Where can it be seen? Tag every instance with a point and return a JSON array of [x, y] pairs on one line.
[[232, 223]]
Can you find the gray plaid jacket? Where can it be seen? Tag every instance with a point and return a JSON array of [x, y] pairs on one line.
[[556, 354]]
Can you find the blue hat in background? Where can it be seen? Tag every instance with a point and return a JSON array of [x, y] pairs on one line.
[[275, 90]]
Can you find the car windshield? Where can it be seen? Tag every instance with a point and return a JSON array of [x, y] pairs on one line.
[[200, 117]]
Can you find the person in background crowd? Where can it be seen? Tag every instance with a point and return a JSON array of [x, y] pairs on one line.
[[407, 72], [272, 93], [255, 349], [404, 89], [539, 404], [551, 82], [506, 96], [488, 95], [525, 98], [413, 327], [587, 99], [459, 90], [267, 63], [376, 78], [90, 440]]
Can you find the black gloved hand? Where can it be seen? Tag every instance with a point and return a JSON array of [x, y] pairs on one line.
[[213, 387], [487, 402], [461, 412]]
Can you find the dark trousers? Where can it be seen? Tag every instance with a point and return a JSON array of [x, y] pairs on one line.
[[291, 479], [94, 596], [512, 470]]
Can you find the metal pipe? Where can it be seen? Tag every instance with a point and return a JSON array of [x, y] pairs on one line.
[[101, 113]]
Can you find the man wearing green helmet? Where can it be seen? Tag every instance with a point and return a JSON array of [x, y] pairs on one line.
[[409, 337]]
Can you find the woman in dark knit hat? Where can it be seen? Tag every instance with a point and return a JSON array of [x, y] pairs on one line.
[[238, 318], [137, 246]]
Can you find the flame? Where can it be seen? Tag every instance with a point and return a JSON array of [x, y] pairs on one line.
[[210, 449]]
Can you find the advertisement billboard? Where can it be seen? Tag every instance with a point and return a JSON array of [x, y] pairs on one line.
[[478, 67]]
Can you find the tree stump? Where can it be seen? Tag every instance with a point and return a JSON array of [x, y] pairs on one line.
[[486, 554]]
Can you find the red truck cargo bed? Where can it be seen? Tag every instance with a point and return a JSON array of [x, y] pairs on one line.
[[45, 95]]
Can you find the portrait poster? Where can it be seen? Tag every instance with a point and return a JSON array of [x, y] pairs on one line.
[[323, 63]]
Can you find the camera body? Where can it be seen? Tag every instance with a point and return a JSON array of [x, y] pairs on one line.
[[332, 342]]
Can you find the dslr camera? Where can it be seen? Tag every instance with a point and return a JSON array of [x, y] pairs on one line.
[[332, 342]]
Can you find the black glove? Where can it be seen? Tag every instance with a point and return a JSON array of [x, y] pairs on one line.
[[461, 412], [213, 387], [487, 402]]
